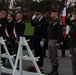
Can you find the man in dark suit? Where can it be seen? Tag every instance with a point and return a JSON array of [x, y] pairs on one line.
[[9, 31], [3, 22], [18, 31], [40, 34]]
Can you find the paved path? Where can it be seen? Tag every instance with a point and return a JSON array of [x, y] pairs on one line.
[[65, 67]]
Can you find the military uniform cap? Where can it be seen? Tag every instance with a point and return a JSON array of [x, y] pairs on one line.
[[54, 10]]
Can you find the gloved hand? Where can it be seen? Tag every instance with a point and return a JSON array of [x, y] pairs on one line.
[[34, 16], [41, 43]]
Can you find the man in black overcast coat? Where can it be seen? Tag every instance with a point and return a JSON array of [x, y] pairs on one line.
[[40, 35]]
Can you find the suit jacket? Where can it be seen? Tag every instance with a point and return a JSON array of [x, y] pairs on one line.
[[19, 29], [3, 23], [9, 26]]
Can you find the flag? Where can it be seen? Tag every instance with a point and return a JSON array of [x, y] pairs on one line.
[[64, 12], [64, 16]]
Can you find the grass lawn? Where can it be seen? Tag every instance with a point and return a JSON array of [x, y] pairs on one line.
[[29, 29]]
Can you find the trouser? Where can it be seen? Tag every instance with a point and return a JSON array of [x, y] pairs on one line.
[[45, 48], [9, 47], [53, 53], [73, 53], [2, 52], [38, 50], [15, 48], [63, 47]]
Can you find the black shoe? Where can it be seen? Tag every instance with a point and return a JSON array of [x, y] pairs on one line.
[[55, 70]]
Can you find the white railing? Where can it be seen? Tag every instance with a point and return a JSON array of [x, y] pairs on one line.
[[20, 58]]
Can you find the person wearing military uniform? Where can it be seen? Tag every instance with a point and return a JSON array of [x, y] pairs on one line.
[[55, 37], [73, 41], [40, 34]]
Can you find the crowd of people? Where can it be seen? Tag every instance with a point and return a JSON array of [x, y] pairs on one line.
[[11, 28], [49, 27], [48, 31]]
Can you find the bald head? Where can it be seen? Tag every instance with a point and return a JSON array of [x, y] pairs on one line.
[[19, 16]]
